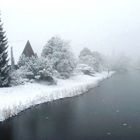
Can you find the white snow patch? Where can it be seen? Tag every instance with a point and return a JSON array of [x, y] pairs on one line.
[[15, 99]]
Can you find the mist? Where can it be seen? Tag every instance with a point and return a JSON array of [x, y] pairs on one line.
[[110, 27]]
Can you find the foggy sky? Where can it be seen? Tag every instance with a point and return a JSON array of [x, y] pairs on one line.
[[108, 26]]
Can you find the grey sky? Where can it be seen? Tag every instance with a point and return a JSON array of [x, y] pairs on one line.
[[109, 26]]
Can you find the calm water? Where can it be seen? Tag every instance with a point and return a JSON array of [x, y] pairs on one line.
[[108, 112]]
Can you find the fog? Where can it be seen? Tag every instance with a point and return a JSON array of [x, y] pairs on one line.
[[107, 26]]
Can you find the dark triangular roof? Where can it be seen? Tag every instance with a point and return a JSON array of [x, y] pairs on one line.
[[28, 51]]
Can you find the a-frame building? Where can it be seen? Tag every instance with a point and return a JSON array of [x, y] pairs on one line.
[[28, 51]]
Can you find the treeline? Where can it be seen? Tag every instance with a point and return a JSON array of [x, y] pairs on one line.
[[56, 61]]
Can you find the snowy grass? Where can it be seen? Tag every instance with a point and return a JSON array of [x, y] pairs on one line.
[[15, 99]]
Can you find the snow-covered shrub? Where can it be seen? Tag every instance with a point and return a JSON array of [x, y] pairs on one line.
[[92, 59], [85, 69], [45, 67], [57, 51], [36, 68], [18, 76], [65, 68]]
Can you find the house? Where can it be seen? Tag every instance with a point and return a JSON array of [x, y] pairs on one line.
[[28, 51], [20, 48]]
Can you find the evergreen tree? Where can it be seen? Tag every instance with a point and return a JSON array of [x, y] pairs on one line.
[[23, 60], [4, 69]]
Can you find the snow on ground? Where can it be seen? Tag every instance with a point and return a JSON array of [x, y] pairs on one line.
[[15, 99]]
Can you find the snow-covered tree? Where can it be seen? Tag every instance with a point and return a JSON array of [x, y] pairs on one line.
[[85, 52], [4, 69], [86, 57], [92, 59], [99, 63], [23, 60], [57, 52], [88, 60]]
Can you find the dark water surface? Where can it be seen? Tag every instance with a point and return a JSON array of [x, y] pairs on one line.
[[108, 112]]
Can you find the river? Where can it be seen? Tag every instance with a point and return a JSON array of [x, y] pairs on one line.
[[110, 111]]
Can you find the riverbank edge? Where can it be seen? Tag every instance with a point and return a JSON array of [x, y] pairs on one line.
[[76, 87]]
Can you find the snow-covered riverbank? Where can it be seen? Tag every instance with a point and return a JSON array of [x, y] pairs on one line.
[[15, 99]]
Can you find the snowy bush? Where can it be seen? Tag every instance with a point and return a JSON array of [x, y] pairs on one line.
[[92, 59], [18, 76], [36, 68], [85, 69], [57, 51]]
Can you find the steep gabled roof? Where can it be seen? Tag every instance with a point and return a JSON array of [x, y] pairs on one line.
[[18, 49], [28, 51]]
